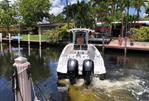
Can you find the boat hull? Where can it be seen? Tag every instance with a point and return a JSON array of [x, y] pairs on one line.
[[91, 53]]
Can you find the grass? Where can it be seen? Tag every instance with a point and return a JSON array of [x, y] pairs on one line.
[[35, 37]]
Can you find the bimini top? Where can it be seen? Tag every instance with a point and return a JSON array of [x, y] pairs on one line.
[[80, 29]]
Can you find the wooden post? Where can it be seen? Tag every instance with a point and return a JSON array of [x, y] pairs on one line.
[[103, 42], [39, 32], [29, 53], [125, 49], [21, 81], [19, 43], [1, 42], [10, 43], [9, 38], [0, 37]]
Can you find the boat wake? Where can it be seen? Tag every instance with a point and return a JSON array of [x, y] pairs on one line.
[[131, 87]]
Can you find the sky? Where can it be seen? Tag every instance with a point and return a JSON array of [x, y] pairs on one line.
[[142, 13], [58, 5]]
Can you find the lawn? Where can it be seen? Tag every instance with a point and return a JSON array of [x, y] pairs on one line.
[[34, 37]]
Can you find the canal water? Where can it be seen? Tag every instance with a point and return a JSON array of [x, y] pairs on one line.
[[127, 77]]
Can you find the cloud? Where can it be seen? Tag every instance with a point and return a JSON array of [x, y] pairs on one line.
[[55, 2], [75, 1], [56, 10], [142, 15], [58, 5]]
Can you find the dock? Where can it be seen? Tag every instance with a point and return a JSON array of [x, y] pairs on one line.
[[137, 46], [113, 45]]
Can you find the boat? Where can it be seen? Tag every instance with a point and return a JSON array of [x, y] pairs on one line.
[[105, 40], [80, 58]]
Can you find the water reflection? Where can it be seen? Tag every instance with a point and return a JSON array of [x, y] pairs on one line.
[[5, 90], [29, 50], [131, 61], [19, 51], [1, 45], [40, 51], [10, 51], [43, 69]]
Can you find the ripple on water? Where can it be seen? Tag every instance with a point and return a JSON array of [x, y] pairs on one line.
[[127, 88]]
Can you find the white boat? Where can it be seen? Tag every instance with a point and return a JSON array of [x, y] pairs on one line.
[[81, 58]]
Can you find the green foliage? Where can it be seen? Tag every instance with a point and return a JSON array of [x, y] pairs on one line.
[[108, 11], [140, 34], [114, 10], [34, 11], [7, 14], [81, 14], [137, 4], [55, 35], [56, 19]]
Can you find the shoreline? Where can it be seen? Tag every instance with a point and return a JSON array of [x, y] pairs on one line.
[[111, 46]]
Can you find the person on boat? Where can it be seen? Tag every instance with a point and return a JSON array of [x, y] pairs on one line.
[[80, 39], [91, 35], [120, 40]]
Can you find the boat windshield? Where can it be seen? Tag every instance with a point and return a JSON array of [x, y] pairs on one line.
[[80, 38]]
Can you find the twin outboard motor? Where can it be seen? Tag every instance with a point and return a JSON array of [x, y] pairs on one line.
[[72, 70], [88, 67]]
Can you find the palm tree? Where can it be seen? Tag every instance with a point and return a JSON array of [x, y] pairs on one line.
[[80, 14], [137, 4]]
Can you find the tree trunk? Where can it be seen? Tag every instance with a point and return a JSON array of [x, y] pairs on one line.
[[7, 29], [111, 31], [138, 14], [122, 28]]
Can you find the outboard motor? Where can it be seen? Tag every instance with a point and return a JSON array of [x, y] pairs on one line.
[[88, 67], [72, 70]]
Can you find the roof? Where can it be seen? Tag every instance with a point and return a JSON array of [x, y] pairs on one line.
[[116, 22], [50, 24], [80, 29]]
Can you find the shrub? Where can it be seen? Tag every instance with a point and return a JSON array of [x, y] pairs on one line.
[[55, 35], [139, 34]]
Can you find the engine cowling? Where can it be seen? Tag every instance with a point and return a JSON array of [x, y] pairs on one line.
[[88, 67], [72, 70]]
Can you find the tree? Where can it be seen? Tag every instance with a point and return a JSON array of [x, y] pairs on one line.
[[7, 14], [116, 10], [56, 19], [80, 14], [147, 7], [34, 11], [137, 4]]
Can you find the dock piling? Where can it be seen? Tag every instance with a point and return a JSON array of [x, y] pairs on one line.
[[19, 43], [10, 43], [125, 49], [1, 44], [29, 52], [21, 80]]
